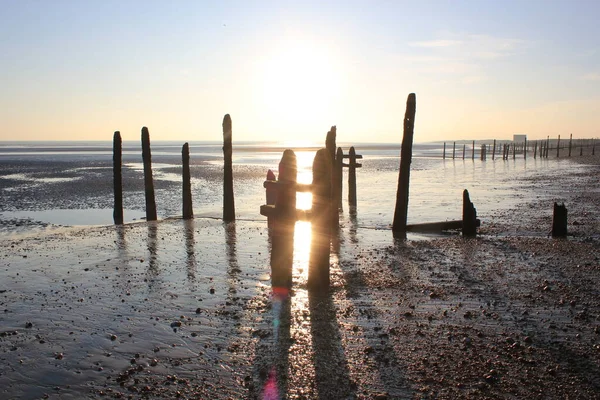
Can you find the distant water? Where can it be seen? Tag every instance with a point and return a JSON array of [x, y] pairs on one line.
[[70, 183]]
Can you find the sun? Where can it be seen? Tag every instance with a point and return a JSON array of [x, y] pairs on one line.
[[298, 82]]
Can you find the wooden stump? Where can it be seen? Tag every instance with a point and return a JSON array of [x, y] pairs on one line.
[[338, 178], [352, 164], [559, 221], [558, 147], [228, 200], [188, 211], [401, 211], [118, 178], [318, 267], [469, 226], [148, 182]]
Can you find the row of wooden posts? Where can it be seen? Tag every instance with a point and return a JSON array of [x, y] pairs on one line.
[[505, 149]]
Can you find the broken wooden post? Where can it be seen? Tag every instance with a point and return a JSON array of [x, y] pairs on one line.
[[401, 211], [118, 178], [469, 217], [318, 266], [444, 152], [559, 221], [188, 211], [338, 177], [558, 147], [494, 150], [352, 165], [330, 143], [284, 221], [228, 201], [570, 144], [535, 150], [148, 182]]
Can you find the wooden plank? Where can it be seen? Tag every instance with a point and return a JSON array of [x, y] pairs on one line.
[[298, 187], [438, 226]]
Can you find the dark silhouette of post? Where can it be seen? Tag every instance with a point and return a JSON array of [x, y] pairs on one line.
[[453, 150], [444, 152], [593, 147], [494, 150], [559, 221], [470, 223], [525, 149], [318, 266], [118, 178], [330, 143], [271, 195], [570, 144], [188, 211], [228, 201], [473, 151], [338, 176], [464, 149], [352, 164], [535, 150], [558, 147], [514, 147], [401, 211], [547, 145], [331, 150], [483, 154], [284, 221], [148, 182]]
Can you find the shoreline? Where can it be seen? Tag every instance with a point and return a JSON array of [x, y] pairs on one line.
[[176, 308]]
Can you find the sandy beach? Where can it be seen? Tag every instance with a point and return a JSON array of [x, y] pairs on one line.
[[178, 309]]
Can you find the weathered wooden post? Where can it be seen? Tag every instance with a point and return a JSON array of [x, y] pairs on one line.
[[271, 194], [339, 175], [570, 144], [453, 150], [401, 212], [444, 153], [331, 150], [494, 150], [581, 151], [464, 149], [330, 143], [483, 154], [558, 147], [228, 201], [318, 267], [470, 223], [559, 221], [547, 145], [284, 221], [118, 178], [473, 151], [535, 150], [514, 147], [148, 182], [352, 165], [188, 211], [525, 149]]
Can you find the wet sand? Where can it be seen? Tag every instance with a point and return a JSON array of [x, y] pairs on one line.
[[185, 309]]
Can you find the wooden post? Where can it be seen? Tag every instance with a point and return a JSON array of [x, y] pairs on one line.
[[188, 210], [444, 153], [514, 147], [469, 225], [352, 177], [464, 149], [559, 221], [558, 147], [228, 200], [547, 145], [525, 149], [494, 150], [318, 266], [535, 150], [473, 151], [271, 195], [338, 176], [118, 178], [284, 222], [401, 211], [453, 150], [330, 143], [148, 182], [570, 144]]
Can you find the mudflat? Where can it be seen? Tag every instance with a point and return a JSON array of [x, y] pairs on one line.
[[185, 309]]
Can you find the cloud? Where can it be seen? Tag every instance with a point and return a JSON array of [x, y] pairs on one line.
[[436, 43], [593, 76]]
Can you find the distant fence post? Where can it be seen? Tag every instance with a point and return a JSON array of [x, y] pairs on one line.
[[525, 149], [593, 147], [570, 144], [514, 147], [483, 154], [401, 211], [494, 150], [148, 182], [535, 150], [559, 221], [558, 147], [118, 178], [330, 145], [547, 146], [228, 200], [464, 149], [188, 211], [453, 150], [444, 152], [473, 151], [318, 267]]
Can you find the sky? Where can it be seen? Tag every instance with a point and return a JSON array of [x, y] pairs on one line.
[[288, 70]]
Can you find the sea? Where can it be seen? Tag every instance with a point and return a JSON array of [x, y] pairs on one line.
[[47, 184]]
